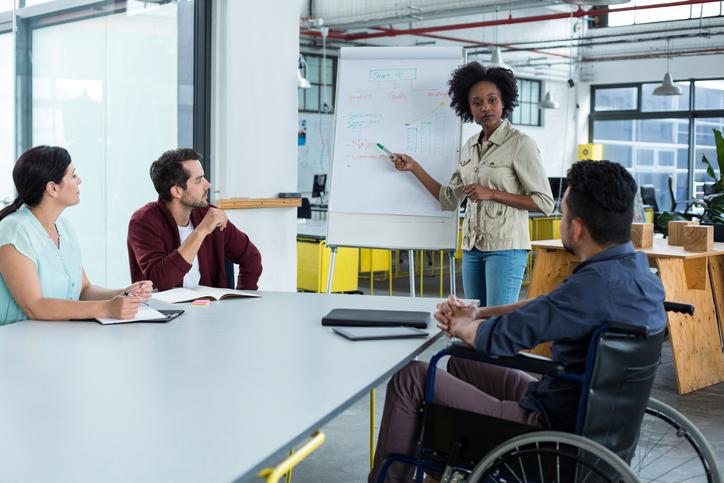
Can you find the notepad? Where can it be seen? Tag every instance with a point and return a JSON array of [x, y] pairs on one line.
[[180, 294], [144, 314]]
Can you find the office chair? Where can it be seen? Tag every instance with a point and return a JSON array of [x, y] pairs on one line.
[[229, 270], [305, 211], [648, 197]]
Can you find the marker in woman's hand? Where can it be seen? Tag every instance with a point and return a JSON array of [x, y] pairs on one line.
[[387, 151]]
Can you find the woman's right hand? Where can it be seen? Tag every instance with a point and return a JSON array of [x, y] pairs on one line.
[[123, 306], [403, 162]]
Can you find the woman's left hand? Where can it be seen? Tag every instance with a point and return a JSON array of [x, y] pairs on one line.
[[141, 289], [476, 192]]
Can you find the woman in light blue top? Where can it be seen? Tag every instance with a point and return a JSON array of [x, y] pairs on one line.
[[41, 276]]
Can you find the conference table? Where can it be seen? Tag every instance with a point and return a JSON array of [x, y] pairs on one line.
[[215, 395]]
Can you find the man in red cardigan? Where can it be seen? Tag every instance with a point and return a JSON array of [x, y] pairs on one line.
[[182, 241]]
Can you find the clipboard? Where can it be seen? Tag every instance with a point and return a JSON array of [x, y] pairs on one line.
[[169, 316]]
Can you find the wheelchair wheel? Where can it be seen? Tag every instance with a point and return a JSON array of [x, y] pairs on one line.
[[551, 456], [672, 449]]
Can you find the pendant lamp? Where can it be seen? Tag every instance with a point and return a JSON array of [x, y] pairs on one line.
[[667, 87], [548, 102]]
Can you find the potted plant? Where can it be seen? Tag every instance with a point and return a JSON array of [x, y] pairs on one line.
[[713, 204]]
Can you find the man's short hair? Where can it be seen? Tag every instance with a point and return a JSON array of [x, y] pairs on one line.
[[168, 171], [601, 194]]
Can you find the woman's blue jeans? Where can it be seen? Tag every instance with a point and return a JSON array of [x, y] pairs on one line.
[[493, 277]]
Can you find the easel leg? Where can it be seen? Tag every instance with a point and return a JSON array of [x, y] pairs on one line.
[[411, 268], [330, 275], [453, 283]]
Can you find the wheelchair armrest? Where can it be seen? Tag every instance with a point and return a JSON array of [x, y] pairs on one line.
[[523, 361], [677, 307]]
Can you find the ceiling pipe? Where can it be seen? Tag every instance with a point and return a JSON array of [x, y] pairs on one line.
[[485, 44], [505, 21], [653, 55]]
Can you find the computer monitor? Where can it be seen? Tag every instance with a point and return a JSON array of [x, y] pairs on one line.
[[558, 187], [319, 185]]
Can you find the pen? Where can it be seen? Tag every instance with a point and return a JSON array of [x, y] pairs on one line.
[[387, 151], [125, 293]]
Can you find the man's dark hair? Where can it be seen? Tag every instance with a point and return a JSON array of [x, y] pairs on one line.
[[601, 194], [167, 171], [466, 76]]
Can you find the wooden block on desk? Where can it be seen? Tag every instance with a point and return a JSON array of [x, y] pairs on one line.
[[676, 231], [698, 238], [642, 235]]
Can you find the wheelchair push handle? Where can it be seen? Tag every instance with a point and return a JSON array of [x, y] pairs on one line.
[[677, 307]]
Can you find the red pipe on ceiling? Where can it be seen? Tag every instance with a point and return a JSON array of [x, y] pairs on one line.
[[486, 44], [506, 21]]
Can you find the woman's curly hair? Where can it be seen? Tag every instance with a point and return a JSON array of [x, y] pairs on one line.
[[466, 76]]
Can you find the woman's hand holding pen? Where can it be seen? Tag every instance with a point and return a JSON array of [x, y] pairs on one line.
[[123, 306], [142, 289], [476, 192], [403, 162]]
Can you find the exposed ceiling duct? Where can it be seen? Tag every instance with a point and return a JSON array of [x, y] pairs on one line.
[[562, 33]]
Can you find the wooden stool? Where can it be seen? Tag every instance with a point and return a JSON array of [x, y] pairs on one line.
[[698, 238], [676, 231], [642, 235]]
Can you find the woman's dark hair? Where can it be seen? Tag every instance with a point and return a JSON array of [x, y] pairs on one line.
[[168, 171], [33, 170], [601, 194], [466, 76]]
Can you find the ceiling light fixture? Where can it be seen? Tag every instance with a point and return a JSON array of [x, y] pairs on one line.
[[667, 87], [548, 102], [302, 81]]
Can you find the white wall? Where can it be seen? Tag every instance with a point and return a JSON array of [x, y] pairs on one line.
[[642, 70], [254, 125]]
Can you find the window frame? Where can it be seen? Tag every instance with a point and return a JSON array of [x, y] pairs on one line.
[[318, 85], [690, 114], [195, 28], [521, 102]]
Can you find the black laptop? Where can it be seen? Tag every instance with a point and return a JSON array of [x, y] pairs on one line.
[[376, 318]]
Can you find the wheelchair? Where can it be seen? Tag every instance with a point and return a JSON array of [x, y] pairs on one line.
[[621, 434]]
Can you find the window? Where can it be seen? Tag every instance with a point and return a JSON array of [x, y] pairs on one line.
[[616, 99], [83, 83], [7, 113], [321, 73], [652, 135], [527, 113], [663, 14]]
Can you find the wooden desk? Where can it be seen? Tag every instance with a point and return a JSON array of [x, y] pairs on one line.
[[696, 278]]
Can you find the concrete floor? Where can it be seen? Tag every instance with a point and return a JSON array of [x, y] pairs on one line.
[[344, 457]]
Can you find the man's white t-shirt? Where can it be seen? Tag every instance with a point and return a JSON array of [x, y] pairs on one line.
[[193, 276]]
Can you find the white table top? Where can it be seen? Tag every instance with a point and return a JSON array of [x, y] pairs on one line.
[[316, 229], [215, 395]]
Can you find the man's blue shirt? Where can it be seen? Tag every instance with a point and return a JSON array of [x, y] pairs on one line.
[[615, 285]]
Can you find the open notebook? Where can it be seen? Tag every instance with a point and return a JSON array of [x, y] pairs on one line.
[[180, 294]]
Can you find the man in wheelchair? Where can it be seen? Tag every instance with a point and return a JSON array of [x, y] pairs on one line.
[[612, 283]]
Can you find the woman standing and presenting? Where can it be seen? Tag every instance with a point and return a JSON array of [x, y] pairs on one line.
[[500, 174], [41, 276]]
